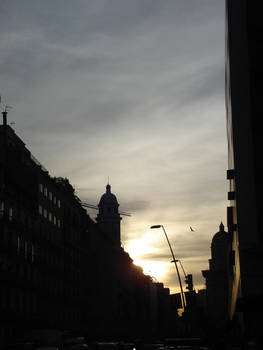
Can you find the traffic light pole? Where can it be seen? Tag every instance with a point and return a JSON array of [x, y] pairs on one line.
[[189, 282]]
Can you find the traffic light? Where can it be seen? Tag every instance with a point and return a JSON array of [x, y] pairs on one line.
[[189, 282]]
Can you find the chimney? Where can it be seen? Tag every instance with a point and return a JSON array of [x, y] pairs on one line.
[[4, 117]]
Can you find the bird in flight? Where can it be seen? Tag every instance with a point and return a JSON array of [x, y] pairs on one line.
[[191, 228]]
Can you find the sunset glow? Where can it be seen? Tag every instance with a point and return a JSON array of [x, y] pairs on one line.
[[147, 245], [156, 269]]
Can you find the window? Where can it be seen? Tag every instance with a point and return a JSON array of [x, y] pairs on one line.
[[21, 271], [2, 209], [41, 188], [13, 237], [45, 213], [3, 297], [50, 217], [30, 223], [58, 223], [55, 200], [26, 247], [59, 203], [10, 214], [45, 192], [34, 303], [50, 196], [40, 209], [54, 220], [18, 244], [21, 301], [12, 298]]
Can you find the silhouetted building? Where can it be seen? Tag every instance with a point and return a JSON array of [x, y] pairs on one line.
[[59, 269], [243, 103], [217, 284], [43, 249]]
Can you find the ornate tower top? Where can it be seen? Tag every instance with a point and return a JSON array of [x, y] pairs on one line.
[[221, 236], [108, 217], [219, 249], [108, 202]]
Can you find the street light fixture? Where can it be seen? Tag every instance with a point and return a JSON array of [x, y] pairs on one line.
[[175, 263]]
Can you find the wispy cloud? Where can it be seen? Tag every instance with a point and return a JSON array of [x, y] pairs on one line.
[[133, 90]]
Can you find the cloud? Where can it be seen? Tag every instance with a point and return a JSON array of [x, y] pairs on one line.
[[133, 90]]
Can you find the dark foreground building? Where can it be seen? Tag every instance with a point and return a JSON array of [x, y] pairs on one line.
[[43, 244], [59, 269], [244, 59]]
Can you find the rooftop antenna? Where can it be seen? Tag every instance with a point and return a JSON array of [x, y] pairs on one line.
[[6, 110]]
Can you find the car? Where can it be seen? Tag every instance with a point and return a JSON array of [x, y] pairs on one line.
[[74, 343], [81, 346], [73, 340], [47, 348], [106, 346], [154, 346], [23, 345], [128, 346]]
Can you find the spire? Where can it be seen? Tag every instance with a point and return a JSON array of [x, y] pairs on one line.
[[221, 227], [108, 188]]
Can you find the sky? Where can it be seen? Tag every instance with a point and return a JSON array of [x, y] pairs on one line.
[[133, 91]]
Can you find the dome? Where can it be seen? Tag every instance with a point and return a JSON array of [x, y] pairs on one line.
[[221, 236], [108, 198], [220, 250]]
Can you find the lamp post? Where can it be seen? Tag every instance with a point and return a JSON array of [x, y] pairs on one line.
[[175, 263]]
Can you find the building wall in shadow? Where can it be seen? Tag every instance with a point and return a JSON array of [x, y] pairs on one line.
[[243, 107], [58, 268]]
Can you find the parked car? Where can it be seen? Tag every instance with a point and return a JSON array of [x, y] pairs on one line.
[[74, 343], [128, 346], [154, 346], [47, 348], [107, 346], [23, 345], [81, 346], [73, 340]]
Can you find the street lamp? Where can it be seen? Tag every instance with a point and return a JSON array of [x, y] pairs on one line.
[[175, 263]]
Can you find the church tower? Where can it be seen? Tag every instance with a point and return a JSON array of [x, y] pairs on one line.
[[109, 218]]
